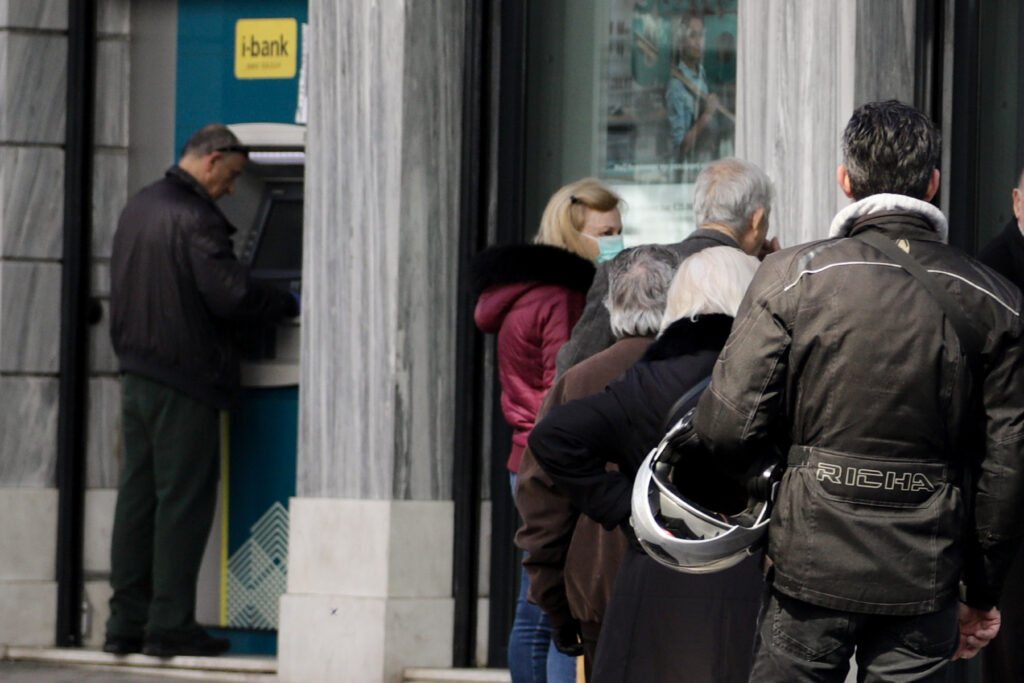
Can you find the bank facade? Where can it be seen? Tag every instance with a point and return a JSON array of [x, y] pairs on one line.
[[423, 131]]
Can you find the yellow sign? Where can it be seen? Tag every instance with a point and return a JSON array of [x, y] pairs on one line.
[[266, 48]]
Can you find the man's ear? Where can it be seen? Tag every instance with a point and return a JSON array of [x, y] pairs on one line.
[[843, 178], [209, 160], [933, 185], [757, 219]]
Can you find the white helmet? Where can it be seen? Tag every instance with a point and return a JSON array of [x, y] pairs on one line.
[[691, 518]]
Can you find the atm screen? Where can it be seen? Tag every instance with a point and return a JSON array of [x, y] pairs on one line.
[[280, 241], [273, 248]]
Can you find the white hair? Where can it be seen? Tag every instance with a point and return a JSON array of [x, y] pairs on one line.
[[713, 280]]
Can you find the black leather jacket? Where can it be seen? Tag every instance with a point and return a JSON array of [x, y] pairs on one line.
[[855, 363], [178, 294]]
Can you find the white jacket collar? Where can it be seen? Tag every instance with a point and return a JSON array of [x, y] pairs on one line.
[[888, 202]]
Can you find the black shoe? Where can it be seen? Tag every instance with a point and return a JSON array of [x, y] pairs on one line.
[[196, 644], [118, 645]]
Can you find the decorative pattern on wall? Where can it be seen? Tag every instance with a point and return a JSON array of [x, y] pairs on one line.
[[258, 572]]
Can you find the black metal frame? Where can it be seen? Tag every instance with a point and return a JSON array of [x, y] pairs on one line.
[[963, 137], [469, 346], [75, 315], [930, 30], [492, 190]]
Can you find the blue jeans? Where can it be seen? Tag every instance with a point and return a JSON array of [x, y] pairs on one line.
[[532, 657]]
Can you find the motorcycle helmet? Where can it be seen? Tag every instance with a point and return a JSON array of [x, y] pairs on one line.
[[690, 517]]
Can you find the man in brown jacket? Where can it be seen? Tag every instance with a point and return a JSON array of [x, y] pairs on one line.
[[572, 561]]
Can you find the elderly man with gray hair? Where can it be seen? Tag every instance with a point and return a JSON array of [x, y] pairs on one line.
[[572, 561], [731, 202]]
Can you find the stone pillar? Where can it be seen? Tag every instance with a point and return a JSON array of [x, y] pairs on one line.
[[370, 553], [33, 49], [803, 68], [33, 55]]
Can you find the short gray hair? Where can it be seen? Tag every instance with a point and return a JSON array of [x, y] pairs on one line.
[[729, 192], [713, 280], [638, 281], [213, 137]]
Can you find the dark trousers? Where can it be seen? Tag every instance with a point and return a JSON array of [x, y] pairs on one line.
[[798, 642], [1004, 656], [165, 505]]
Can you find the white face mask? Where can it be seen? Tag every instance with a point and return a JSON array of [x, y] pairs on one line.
[[608, 245]]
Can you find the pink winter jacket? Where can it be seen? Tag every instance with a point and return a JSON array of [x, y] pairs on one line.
[[532, 319]]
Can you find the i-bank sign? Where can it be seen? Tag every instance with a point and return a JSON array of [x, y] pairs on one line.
[[238, 61], [265, 48]]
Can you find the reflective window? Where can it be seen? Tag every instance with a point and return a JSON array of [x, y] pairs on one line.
[[641, 94]]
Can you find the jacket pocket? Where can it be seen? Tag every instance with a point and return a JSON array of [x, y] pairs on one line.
[[866, 531]]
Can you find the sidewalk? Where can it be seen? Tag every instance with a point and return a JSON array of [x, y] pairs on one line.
[[34, 672], [63, 665]]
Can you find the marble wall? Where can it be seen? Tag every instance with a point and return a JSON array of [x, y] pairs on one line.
[[802, 69], [33, 55], [383, 150]]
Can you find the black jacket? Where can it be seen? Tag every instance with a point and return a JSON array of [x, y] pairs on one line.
[[621, 425], [1005, 254], [593, 332], [854, 361], [660, 625], [178, 294]]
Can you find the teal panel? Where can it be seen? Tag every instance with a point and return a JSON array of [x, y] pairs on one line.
[[207, 90], [262, 469], [244, 641], [261, 479]]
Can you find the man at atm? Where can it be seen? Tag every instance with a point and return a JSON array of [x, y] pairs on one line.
[[177, 297]]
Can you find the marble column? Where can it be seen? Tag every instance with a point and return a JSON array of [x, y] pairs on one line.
[[33, 55], [370, 554], [802, 69], [33, 48]]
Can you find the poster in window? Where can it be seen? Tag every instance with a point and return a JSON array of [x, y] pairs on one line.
[[670, 100]]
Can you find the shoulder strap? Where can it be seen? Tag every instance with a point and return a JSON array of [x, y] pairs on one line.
[[970, 336], [684, 403]]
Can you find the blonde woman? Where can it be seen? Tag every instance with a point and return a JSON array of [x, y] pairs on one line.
[[531, 296]]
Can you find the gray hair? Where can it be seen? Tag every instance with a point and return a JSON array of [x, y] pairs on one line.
[[729, 192], [213, 137], [638, 280], [713, 280]]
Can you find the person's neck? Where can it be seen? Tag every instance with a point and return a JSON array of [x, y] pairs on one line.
[[692, 64], [191, 166], [724, 229]]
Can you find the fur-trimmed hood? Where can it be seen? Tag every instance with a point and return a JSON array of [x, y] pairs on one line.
[[845, 219], [518, 263]]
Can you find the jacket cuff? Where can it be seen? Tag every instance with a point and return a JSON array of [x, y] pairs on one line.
[[977, 595], [560, 617]]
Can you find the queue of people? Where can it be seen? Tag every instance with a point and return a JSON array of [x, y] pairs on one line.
[[878, 367]]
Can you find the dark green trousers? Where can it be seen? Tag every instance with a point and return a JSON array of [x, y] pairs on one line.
[[165, 505]]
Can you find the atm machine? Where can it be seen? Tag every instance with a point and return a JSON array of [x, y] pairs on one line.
[[244, 570]]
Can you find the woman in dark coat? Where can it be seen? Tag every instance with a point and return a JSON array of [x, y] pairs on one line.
[[660, 625], [531, 296]]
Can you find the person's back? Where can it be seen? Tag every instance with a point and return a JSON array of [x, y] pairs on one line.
[[147, 275], [878, 415], [858, 365]]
